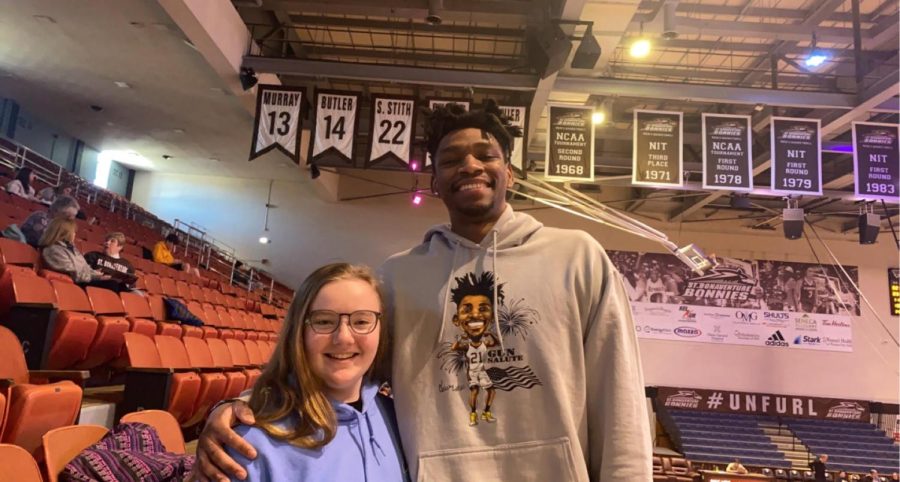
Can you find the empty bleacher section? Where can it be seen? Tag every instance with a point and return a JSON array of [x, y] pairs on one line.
[[719, 438], [75, 353], [851, 446]]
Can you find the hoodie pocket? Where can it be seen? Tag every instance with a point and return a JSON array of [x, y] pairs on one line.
[[539, 461]]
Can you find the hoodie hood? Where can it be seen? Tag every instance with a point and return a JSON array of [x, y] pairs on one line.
[[510, 231], [345, 413]]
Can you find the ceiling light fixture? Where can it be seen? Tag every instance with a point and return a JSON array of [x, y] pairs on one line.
[[641, 47], [122, 85], [264, 240], [248, 78], [598, 117], [816, 57]]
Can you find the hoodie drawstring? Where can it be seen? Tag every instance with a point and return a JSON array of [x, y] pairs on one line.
[[374, 443], [455, 247], [496, 309], [360, 446]]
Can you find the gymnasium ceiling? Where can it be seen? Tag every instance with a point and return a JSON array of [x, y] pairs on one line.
[[728, 56]]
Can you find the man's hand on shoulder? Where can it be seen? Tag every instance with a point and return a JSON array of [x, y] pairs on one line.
[[213, 463]]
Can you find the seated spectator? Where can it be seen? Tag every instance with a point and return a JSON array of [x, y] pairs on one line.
[[873, 476], [36, 222], [110, 262], [23, 184], [162, 253], [58, 253], [842, 477], [736, 467], [50, 193], [895, 476]]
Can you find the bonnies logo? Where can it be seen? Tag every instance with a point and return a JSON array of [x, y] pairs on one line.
[[570, 119], [846, 411], [729, 129], [684, 399], [798, 133], [661, 125], [879, 136]]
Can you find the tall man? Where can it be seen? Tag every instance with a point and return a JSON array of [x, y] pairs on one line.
[[573, 405], [819, 469]]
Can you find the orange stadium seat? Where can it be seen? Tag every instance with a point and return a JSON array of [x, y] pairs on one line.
[[173, 354], [18, 465], [165, 425], [27, 411], [150, 383], [74, 306], [221, 357], [107, 306], [239, 356], [17, 254], [63, 444]]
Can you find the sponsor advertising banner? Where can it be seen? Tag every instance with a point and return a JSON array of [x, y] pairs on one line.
[[774, 304], [762, 404], [875, 156]]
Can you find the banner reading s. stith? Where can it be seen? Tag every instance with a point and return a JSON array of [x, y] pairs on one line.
[[876, 158], [657, 153], [390, 139]]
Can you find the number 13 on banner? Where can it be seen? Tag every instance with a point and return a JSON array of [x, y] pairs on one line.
[[277, 123]]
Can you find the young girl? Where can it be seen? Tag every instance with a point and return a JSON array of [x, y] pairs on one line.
[[319, 416], [23, 184], [58, 253]]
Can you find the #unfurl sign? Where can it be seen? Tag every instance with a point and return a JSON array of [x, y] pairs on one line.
[[876, 159], [277, 123]]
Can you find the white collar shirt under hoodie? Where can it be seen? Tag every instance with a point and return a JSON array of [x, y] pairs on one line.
[[562, 359]]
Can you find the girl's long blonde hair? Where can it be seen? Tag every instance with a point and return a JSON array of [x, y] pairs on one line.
[[60, 229], [288, 387]]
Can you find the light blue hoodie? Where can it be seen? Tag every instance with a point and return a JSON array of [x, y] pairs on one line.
[[362, 449]]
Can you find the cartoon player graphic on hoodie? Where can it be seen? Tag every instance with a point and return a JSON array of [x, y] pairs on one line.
[[474, 315]]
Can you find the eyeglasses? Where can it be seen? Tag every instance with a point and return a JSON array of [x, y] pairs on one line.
[[326, 322]]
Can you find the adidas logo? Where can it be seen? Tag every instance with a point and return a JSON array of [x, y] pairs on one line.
[[777, 339]]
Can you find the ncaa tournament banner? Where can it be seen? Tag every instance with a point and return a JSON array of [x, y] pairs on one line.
[[393, 121], [335, 128], [725, 401], [434, 104], [277, 123], [796, 156], [570, 143], [727, 156], [876, 161], [775, 304], [656, 154], [518, 116]]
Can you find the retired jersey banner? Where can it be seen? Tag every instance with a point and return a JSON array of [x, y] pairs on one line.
[[656, 153], [796, 155], [335, 128], [876, 158], [724, 401], [570, 143], [775, 304], [277, 123], [435, 103], [518, 116], [727, 156], [393, 121]]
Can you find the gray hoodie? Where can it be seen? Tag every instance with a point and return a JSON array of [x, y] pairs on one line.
[[559, 354]]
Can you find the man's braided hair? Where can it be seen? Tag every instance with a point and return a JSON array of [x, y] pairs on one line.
[[452, 117]]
